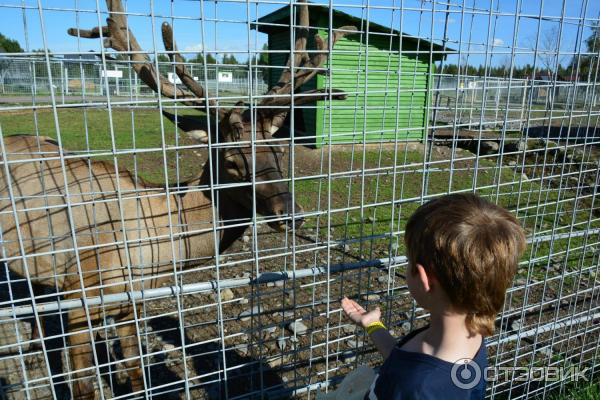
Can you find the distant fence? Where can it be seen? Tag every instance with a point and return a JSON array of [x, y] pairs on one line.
[[30, 76], [462, 95], [471, 101]]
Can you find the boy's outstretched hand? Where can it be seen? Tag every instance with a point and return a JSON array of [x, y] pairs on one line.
[[359, 315]]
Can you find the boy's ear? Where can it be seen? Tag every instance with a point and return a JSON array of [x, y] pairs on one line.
[[425, 278]]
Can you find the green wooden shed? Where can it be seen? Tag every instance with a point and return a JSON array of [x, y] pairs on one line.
[[394, 70]]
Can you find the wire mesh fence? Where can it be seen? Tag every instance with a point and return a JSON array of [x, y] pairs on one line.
[[183, 219]]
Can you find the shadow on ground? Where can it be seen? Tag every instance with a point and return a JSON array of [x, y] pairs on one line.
[[247, 377], [574, 134]]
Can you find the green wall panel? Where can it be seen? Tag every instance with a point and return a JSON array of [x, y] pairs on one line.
[[387, 90], [387, 93]]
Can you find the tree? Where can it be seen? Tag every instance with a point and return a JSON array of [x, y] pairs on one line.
[[163, 58], [588, 63], [526, 71], [260, 59], [564, 72], [548, 51], [9, 45], [230, 59], [453, 69], [450, 69], [210, 59], [199, 59]]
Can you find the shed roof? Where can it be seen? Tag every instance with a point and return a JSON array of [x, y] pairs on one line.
[[279, 20]]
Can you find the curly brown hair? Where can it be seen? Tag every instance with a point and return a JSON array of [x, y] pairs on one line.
[[472, 247]]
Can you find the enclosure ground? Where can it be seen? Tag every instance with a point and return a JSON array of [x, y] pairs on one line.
[[359, 200]]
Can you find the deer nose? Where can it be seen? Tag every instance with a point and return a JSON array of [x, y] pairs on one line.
[[298, 216], [296, 222], [285, 210]]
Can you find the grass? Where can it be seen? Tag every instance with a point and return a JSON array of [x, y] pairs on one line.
[[72, 124], [133, 129], [376, 218], [589, 392]]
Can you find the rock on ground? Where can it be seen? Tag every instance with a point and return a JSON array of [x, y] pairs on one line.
[[298, 328], [371, 297], [227, 294]]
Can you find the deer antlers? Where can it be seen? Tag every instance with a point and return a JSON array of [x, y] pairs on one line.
[[301, 67], [307, 67], [117, 36]]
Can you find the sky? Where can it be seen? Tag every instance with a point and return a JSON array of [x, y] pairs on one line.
[[485, 31]]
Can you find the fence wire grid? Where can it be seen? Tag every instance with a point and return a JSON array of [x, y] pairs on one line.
[[181, 211]]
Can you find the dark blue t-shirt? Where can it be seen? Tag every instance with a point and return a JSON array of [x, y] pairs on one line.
[[409, 375]]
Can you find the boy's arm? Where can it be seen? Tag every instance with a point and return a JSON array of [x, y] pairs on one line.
[[384, 342], [371, 321]]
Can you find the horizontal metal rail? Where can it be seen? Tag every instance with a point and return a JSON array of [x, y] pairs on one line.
[[549, 327], [264, 277]]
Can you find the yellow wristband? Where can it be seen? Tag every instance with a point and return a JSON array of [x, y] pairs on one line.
[[374, 326]]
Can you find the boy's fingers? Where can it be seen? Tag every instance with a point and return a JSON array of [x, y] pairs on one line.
[[351, 306], [346, 304], [350, 310], [359, 308]]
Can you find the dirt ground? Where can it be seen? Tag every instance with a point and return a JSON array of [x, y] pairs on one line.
[[255, 353]]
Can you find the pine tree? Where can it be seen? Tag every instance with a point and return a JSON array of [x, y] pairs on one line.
[[229, 59], [588, 63], [199, 59], [210, 59], [9, 45]]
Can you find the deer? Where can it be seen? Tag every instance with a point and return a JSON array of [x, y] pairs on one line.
[[88, 228]]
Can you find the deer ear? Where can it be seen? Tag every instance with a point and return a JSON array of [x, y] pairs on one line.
[[195, 126]]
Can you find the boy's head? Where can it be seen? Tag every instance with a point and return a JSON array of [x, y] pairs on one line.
[[471, 248]]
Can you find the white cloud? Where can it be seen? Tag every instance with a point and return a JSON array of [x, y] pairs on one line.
[[193, 48], [223, 46], [498, 42], [443, 20]]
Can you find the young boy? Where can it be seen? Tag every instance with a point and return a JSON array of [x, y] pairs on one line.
[[462, 255]]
